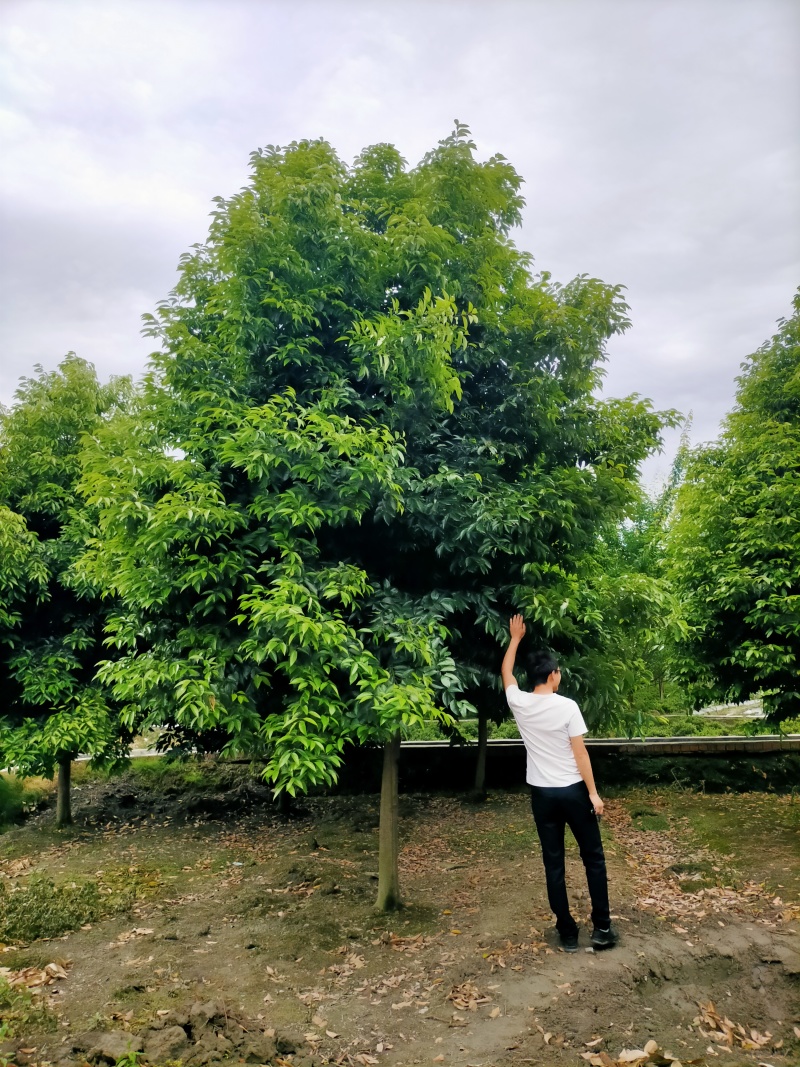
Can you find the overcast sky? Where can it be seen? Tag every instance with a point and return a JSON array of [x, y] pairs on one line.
[[658, 140]]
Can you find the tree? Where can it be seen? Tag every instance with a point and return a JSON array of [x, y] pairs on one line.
[[51, 624], [641, 613], [734, 543], [366, 424]]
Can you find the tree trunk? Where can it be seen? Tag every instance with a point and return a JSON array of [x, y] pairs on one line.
[[479, 789], [389, 834], [661, 689], [63, 795], [283, 803]]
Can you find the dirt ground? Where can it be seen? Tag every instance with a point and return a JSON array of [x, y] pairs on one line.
[[267, 922]]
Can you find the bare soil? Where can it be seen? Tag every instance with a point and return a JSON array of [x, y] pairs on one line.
[[269, 919]]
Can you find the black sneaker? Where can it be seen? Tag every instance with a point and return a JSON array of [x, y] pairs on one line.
[[569, 942], [604, 938]]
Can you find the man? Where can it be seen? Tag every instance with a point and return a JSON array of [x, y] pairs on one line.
[[562, 787]]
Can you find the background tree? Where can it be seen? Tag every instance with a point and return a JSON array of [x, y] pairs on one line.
[[734, 545], [51, 624], [641, 613], [369, 434]]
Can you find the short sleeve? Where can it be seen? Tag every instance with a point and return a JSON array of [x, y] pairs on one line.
[[575, 724], [516, 698]]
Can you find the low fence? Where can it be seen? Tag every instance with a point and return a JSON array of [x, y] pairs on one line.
[[714, 763]]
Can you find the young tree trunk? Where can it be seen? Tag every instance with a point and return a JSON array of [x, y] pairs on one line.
[[63, 795], [661, 688], [283, 803], [479, 789], [389, 834]]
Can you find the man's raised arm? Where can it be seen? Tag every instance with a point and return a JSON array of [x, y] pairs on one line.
[[516, 628]]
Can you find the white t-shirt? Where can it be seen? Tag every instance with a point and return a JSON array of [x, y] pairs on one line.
[[546, 722]]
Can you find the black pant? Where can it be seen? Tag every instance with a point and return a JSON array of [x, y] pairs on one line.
[[553, 809]]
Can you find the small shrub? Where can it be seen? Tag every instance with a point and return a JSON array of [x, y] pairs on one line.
[[466, 728], [506, 729]]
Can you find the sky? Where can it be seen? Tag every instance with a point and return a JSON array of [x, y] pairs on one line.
[[658, 140]]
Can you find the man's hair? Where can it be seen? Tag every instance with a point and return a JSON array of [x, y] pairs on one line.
[[539, 666]]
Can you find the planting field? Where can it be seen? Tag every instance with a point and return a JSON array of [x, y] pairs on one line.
[[184, 920]]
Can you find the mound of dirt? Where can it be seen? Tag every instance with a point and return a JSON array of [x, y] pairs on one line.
[[206, 1033]]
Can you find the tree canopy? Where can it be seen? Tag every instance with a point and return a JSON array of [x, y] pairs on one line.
[[51, 623], [735, 540], [369, 432]]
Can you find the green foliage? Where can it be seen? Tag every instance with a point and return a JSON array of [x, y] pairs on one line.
[[646, 724], [735, 540], [20, 1014], [465, 730], [51, 624], [698, 726], [369, 433], [16, 797], [181, 775], [12, 799], [42, 909], [130, 1059], [638, 612]]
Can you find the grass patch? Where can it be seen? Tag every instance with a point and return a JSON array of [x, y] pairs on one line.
[[696, 875], [18, 796], [735, 828], [20, 1014], [41, 908], [649, 819], [161, 774]]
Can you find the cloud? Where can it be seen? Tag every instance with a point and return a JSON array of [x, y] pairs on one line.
[[654, 140]]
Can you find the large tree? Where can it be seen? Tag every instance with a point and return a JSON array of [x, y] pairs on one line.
[[735, 539], [369, 433], [51, 623]]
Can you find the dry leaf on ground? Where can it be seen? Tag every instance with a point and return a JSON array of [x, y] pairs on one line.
[[467, 997], [721, 1029]]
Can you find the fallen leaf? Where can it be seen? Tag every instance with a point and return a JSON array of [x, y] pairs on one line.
[[494, 1013]]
